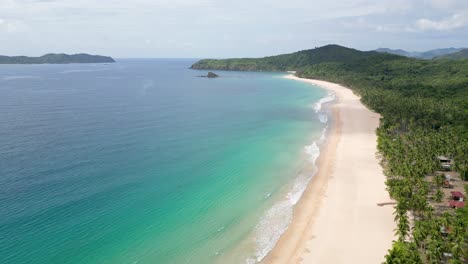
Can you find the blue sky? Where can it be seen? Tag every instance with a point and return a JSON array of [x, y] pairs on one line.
[[240, 28]]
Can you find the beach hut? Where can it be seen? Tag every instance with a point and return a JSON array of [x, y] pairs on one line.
[[447, 184], [456, 204], [445, 162], [457, 196]]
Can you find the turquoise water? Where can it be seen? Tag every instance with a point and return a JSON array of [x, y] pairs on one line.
[[142, 162]]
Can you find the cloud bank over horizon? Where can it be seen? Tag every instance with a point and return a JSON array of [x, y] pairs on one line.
[[209, 28]]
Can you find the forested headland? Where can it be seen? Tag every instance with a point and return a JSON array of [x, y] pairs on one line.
[[424, 109], [54, 58]]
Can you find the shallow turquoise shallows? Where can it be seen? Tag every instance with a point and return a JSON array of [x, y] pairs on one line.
[[143, 162]]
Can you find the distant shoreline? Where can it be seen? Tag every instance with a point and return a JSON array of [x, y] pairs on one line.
[[54, 58], [337, 218]]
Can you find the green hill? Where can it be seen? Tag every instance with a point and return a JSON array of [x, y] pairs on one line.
[[296, 60], [360, 69], [461, 55], [53, 58]]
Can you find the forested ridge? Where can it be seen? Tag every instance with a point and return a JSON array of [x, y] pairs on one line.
[[56, 58], [424, 109], [460, 55]]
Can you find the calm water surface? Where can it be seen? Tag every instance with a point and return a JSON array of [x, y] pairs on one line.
[[142, 162]]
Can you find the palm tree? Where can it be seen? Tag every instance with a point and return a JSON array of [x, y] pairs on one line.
[[402, 253], [439, 195]]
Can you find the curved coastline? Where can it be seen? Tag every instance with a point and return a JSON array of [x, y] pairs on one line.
[[337, 219]]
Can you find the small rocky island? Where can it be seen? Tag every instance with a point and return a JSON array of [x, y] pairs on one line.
[[54, 58], [210, 75]]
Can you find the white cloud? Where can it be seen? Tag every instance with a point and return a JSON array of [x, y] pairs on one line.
[[191, 28], [11, 26], [387, 29], [445, 4], [455, 21]]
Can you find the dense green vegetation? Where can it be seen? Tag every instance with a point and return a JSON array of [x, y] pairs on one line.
[[424, 109], [462, 54], [294, 61], [55, 59]]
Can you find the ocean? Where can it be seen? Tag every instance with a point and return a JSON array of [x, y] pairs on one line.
[[141, 161]]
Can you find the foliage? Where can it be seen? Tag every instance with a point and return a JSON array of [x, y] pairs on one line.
[[402, 253], [294, 61]]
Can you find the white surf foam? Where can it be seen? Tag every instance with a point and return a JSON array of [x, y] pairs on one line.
[[96, 69], [270, 228], [277, 219], [109, 77], [16, 77], [323, 118], [324, 134], [329, 98]]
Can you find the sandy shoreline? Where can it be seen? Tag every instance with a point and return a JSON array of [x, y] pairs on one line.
[[337, 219]]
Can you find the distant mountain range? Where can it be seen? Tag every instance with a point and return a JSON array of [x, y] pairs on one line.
[[460, 55], [421, 55], [54, 58]]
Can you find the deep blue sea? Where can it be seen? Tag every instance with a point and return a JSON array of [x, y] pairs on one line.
[[140, 161]]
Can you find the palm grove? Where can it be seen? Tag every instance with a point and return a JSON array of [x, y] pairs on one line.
[[424, 109]]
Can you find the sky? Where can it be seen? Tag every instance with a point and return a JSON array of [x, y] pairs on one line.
[[226, 28]]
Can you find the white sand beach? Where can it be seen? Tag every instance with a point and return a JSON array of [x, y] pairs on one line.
[[338, 220]]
